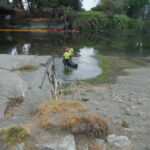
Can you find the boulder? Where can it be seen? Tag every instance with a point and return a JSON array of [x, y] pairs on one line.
[[20, 146], [26, 78], [118, 141], [64, 143]]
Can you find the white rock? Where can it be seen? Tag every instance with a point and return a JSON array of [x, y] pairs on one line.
[[20, 146], [65, 143], [68, 143], [118, 141]]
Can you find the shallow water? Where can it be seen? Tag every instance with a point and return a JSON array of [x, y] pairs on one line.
[[88, 66], [86, 45]]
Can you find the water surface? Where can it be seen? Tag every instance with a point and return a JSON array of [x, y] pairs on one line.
[[86, 45]]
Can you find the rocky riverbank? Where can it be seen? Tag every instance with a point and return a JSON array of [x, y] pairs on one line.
[[112, 116], [124, 104]]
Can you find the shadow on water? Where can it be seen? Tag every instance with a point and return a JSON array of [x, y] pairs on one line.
[[86, 46]]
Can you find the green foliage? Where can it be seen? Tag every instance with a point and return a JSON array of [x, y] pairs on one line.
[[110, 7], [134, 6], [111, 69], [106, 5], [124, 124], [92, 20], [75, 4], [68, 14], [121, 21], [13, 135], [39, 4], [136, 3], [136, 24]]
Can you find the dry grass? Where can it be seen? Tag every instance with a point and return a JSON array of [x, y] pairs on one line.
[[72, 116], [93, 145], [27, 68], [11, 105]]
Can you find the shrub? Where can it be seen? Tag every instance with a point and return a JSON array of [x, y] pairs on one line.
[[136, 24], [92, 20], [121, 21]]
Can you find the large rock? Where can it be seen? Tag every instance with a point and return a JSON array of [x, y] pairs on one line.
[[26, 78], [3, 104], [20, 146], [65, 143], [118, 141], [12, 85]]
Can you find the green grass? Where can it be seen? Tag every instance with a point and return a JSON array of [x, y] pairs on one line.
[[111, 69], [125, 124], [13, 135], [114, 66]]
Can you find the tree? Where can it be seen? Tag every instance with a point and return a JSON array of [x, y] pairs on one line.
[[38, 4], [17, 3], [135, 8]]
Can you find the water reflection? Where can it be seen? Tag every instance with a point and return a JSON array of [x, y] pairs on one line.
[[23, 50], [54, 43], [26, 48], [14, 51], [86, 45], [88, 66]]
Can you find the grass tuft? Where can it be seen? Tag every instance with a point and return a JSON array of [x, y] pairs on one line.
[[14, 135], [111, 68], [72, 116], [27, 68]]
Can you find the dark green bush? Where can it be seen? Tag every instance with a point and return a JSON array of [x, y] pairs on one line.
[[92, 20], [121, 21]]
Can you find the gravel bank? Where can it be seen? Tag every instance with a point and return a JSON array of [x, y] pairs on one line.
[[125, 104]]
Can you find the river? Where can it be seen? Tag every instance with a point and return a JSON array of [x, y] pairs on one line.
[[86, 46]]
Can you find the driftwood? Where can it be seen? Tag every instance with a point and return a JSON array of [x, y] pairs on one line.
[[51, 77]]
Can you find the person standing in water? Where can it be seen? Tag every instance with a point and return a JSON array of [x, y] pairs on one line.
[[66, 57]]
